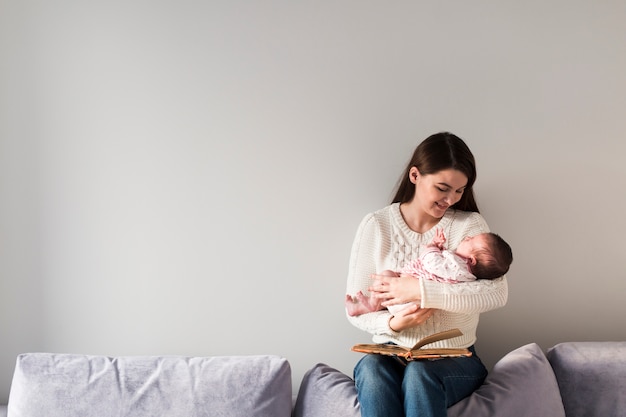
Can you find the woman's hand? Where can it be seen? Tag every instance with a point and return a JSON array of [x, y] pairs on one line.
[[396, 290], [409, 317]]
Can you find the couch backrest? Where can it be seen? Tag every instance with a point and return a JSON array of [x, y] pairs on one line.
[[591, 377], [67, 385]]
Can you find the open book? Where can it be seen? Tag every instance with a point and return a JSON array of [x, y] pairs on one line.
[[416, 352]]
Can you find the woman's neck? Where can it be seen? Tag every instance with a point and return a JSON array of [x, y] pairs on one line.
[[417, 220]]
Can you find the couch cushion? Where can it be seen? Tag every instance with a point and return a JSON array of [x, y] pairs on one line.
[[591, 376], [325, 392], [521, 384], [64, 385]]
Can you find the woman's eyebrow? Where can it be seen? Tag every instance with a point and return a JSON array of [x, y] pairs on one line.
[[449, 186]]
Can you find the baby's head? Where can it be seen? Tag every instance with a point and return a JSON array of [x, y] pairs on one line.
[[489, 255]]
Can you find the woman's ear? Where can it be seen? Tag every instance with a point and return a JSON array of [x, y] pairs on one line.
[[414, 174]]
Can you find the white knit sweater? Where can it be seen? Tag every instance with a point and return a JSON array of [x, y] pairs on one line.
[[385, 241]]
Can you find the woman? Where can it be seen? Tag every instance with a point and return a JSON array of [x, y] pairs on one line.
[[435, 191]]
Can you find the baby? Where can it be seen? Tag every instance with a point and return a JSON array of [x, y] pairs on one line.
[[484, 256]]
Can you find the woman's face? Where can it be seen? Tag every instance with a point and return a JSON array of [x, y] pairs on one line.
[[435, 193]]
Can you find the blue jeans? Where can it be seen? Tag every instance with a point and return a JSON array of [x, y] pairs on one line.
[[388, 386]]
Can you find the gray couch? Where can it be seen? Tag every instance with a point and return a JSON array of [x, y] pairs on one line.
[[577, 379], [584, 379], [63, 385]]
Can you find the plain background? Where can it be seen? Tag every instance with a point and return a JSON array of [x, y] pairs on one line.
[[186, 177]]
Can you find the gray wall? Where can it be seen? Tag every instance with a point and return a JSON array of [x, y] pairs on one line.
[[186, 177]]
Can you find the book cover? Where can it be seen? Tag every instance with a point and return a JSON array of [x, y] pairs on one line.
[[417, 351]]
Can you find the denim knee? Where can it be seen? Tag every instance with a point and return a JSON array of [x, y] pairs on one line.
[[369, 366]]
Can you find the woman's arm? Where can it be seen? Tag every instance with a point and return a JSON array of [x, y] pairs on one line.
[[369, 250], [465, 297], [364, 257]]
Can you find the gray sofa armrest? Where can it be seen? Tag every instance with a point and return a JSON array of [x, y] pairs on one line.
[[591, 377], [63, 385]]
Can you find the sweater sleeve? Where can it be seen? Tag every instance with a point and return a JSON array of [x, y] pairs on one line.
[[363, 263], [465, 297]]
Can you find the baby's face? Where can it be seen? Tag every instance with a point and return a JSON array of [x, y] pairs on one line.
[[470, 244]]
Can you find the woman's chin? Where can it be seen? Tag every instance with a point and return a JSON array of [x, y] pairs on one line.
[[438, 210]]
